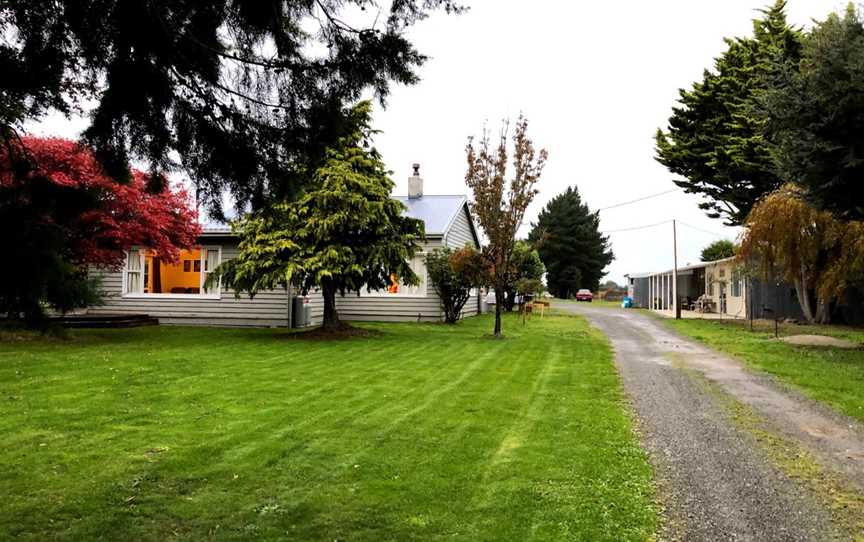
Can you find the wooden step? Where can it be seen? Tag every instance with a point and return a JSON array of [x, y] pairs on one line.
[[106, 320]]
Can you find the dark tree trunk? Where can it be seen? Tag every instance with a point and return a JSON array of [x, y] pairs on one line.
[[823, 311], [453, 304], [510, 299], [499, 300], [331, 315]]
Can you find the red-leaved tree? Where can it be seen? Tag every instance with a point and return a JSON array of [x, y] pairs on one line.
[[61, 213]]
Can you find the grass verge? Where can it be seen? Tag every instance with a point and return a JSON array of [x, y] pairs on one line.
[[417, 432], [830, 375]]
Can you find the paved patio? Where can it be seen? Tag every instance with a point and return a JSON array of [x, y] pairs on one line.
[[700, 315]]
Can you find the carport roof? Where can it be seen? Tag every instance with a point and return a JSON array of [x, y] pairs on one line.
[[682, 269]]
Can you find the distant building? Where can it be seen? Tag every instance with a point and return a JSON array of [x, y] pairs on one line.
[[717, 287]]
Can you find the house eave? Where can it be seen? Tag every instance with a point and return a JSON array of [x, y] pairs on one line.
[[682, 269]]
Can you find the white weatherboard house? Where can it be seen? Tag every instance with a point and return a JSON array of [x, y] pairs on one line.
[[174, 293]]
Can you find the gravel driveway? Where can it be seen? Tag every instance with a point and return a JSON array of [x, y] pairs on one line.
[[714, 478]]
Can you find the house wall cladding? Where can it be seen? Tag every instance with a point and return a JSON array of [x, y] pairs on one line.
[[640, 292], [267, 309], [460, 233], [394, 308], [270, 308]]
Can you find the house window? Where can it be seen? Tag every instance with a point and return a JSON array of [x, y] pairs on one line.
[[396, 288], [146, 274], [736, 284], [134, 272]]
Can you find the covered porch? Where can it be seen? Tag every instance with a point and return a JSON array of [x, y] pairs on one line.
[[710, 290], [697, 315], [664, 292]]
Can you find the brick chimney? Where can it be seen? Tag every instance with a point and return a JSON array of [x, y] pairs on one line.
[[415, 184]]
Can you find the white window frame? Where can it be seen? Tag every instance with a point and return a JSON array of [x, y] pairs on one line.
[[737, 284], [216, 294], [126, 271], [421, 256]]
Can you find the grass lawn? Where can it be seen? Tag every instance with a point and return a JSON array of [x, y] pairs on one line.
[[422, 432], [830, 375]]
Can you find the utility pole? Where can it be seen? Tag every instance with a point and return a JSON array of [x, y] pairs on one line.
[[675, 271]]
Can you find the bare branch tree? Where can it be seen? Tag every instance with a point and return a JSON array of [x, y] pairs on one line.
[[500, 204]]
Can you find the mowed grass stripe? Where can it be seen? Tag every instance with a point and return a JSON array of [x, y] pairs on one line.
[[237, 434], [371, 403]]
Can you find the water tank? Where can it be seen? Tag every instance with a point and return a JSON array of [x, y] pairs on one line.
[[301, 311]]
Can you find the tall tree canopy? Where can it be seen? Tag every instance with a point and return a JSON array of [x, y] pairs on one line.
[[718, 250], [345, 233], [817, 116], [64, 214], [500, 203], [247, 92], [715, 139], [570, 244], [819, 254], [525, 265]]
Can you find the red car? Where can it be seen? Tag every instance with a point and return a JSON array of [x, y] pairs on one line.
[[584, 295]]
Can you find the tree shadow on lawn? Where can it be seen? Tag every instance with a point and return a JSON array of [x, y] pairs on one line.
[[343, 332]]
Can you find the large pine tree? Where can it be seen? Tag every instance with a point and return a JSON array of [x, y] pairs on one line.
[[247, 93], [571, 246], [715, 139], [817, 116]]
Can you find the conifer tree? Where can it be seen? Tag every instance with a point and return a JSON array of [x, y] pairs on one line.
[[715, 138], [247, 93], [816, 114], [567, 236], [344, 234]]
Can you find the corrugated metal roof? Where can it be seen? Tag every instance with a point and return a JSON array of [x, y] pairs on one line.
[[691, 267], [211, 226], [436, 212]]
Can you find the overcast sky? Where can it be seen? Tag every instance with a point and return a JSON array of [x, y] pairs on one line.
[[595, 82]]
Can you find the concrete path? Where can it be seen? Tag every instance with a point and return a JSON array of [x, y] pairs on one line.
[[716, 480]]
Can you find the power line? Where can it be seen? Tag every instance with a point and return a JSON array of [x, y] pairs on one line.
[[704, 231], [638, 227], [637, 200]]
